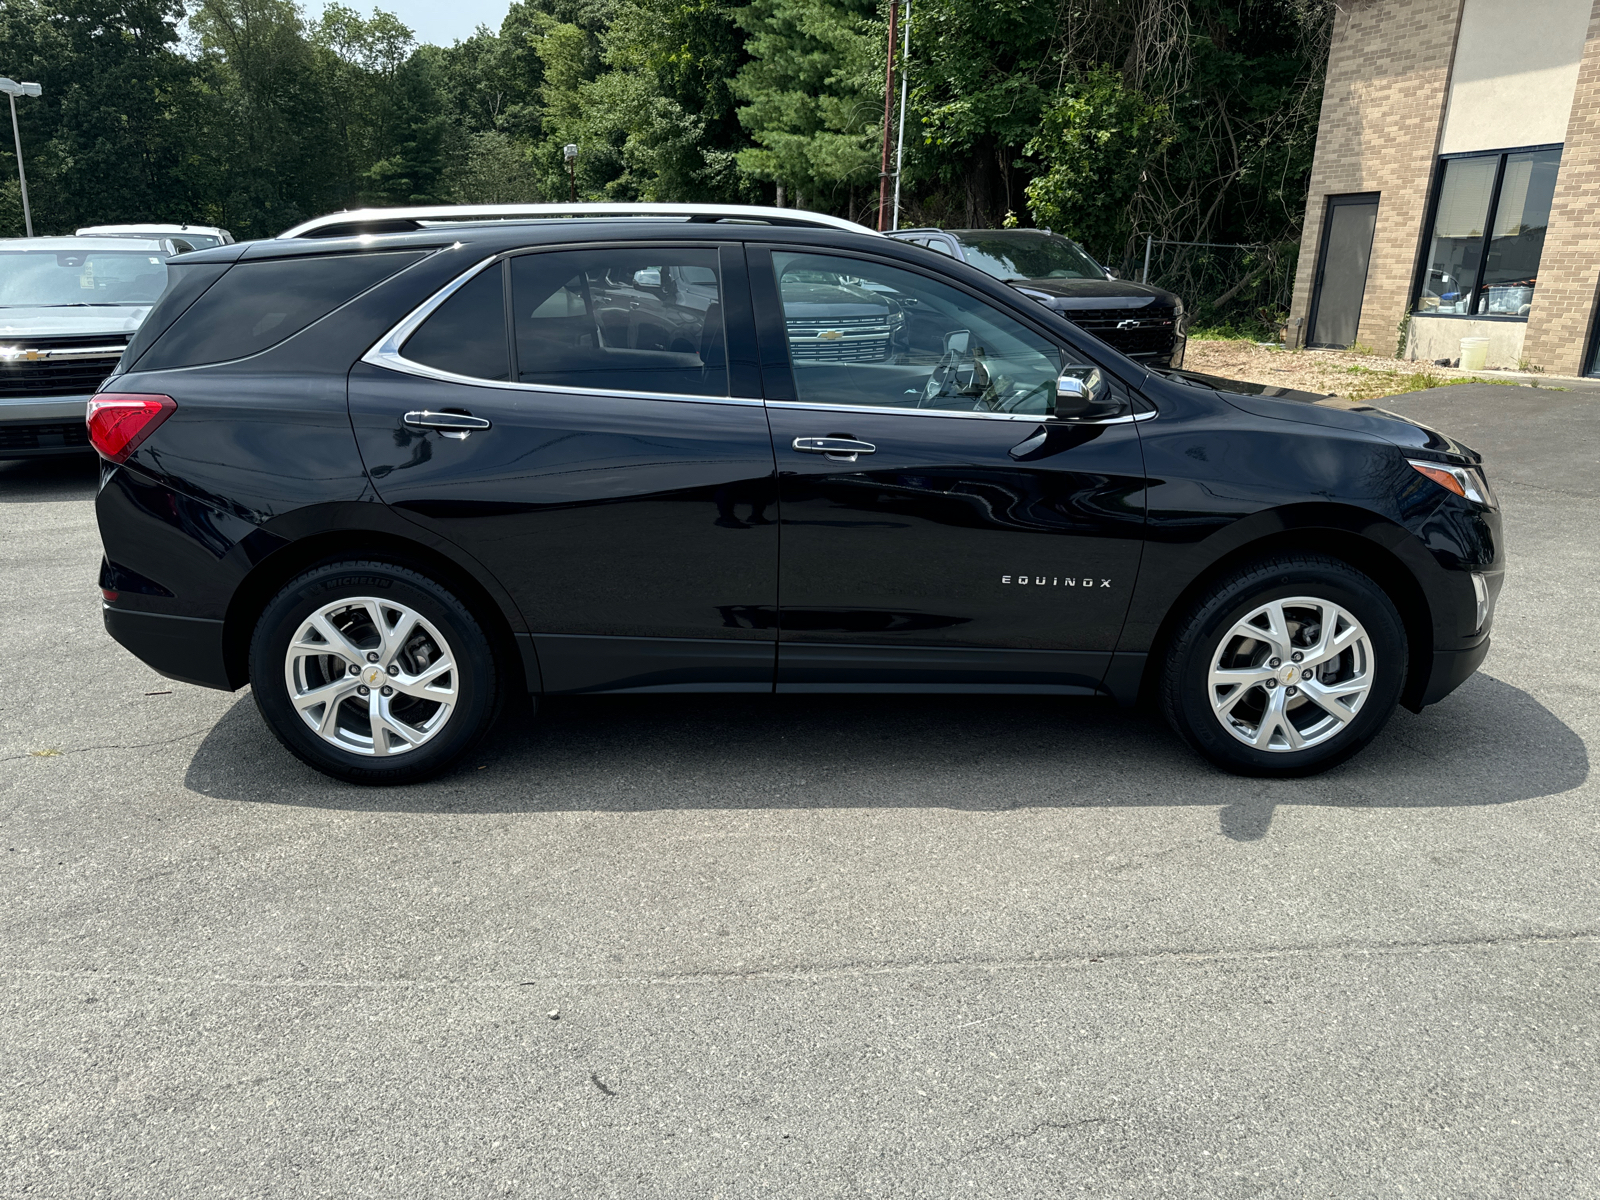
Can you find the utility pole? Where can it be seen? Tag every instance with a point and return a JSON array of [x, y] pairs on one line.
[[900, 144], [570, 153], [888, 115], [13, 89]]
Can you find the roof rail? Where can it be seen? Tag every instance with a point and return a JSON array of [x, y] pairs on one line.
[[406, 220]]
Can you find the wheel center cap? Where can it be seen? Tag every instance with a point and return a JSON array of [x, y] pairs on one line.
[[373, 676], [1289, 674]]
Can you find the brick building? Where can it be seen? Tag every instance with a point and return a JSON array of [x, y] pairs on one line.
[[1456, 187]]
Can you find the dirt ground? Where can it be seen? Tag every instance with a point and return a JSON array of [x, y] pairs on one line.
[[1336, 372]]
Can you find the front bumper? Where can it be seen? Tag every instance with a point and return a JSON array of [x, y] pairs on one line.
[[1451, 668], [188, 649], [33, 427]]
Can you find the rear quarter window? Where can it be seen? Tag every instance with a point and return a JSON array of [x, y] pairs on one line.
[[256, 305]]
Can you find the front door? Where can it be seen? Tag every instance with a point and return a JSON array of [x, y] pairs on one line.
[[943, 532], [1341, 281], [620, 483]]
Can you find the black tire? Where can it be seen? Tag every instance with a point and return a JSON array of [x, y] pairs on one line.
[[1187, 695], [444, 630]]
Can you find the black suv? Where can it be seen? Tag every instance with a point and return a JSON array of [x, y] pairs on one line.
[[1145, 323], [389, 478]]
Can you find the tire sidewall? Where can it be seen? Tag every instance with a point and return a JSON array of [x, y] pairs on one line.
[[1191, 707], [477, 683]]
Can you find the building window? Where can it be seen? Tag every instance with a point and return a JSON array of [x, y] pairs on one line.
[[1489, 221]]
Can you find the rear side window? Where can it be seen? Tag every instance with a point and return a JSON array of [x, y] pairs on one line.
[[185, 283], [256, 305], [466, 335], [631, 319]]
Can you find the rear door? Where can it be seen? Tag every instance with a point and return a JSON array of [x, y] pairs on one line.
[[586, 422], [939, 528]]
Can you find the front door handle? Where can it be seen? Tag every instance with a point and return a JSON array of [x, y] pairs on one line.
[[841, 449], [450, 424]]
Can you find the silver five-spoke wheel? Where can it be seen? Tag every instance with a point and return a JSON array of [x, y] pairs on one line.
[[371, 676], [1291, 674]]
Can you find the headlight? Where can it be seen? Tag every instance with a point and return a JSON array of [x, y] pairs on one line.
[[1467, 482]]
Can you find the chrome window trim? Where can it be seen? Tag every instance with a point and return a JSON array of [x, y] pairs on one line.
[[386, 353], [883, 410]]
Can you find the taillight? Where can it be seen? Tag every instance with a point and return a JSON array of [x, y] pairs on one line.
[[119, 421]]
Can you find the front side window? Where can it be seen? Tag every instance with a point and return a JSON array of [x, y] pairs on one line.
[[626, 319], [864, 333], [1488, 233]]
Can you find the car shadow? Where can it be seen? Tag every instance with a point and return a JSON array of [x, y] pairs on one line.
[[1489, 743], [36, 480]]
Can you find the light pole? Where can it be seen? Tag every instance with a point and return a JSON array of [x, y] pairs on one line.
[[13, 89], [570, 153]]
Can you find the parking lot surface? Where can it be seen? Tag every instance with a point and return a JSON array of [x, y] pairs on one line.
[[808, 946]]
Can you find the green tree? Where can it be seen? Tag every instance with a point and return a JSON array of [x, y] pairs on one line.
[[813, 99], [1097, 140]]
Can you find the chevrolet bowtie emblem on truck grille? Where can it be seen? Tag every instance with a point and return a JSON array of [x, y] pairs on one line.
[[830, 335], [1055, 581], [1128, 324]]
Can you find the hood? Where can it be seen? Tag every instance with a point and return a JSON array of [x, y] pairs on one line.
[[1331, 412], [28, 321], [1064, 295]]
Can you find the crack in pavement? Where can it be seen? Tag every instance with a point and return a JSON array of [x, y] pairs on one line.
[[59, 753], [840, 971]]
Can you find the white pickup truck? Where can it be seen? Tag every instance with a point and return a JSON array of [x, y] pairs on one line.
[[68, 306]]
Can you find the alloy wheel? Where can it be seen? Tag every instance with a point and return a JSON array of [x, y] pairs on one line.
[[1291, 674], [371, 677]]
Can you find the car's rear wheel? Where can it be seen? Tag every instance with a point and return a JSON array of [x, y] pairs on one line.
[[373, 673], [1286, 668]]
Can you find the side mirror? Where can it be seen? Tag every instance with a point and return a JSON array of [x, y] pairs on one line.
[[957, 342], [1084, 393], [650, 277], [1111, 274]]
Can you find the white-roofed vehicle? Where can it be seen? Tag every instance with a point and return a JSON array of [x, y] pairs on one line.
[[68, 306], [187, 237]]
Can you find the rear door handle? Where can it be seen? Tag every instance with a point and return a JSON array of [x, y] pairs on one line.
[[842, 449], [451, 425]]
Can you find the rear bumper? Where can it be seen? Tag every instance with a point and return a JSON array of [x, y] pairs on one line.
[[188, 649]]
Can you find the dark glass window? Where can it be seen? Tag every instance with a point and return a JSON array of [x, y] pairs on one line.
[[256, 305], [1488, 233], [466, 335], [630, 319]]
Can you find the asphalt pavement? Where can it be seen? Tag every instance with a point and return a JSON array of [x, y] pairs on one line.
[[808, 946]]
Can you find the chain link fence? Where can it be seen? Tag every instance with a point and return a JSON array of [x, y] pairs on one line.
[[1244, 286]]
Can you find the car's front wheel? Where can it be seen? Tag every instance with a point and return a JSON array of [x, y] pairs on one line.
[[373, 673], [1286, 668]]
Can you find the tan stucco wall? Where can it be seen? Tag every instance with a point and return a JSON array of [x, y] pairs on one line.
[[1516, 65]]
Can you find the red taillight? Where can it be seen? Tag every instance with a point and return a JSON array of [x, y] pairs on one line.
[[119, 421]]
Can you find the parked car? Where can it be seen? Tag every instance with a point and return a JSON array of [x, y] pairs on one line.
[[68, 306], [388, 479], [188, 237], [1145, 323]]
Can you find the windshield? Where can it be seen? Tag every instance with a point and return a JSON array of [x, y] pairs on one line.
[[60, 278], [1028, 254]]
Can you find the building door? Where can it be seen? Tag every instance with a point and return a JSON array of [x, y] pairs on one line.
[[1342, 270]]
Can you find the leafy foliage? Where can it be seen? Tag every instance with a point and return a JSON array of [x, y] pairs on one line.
[[1109, 120]]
